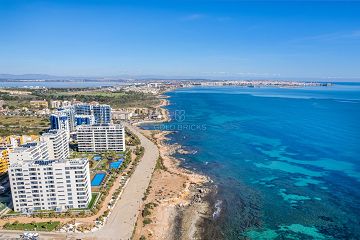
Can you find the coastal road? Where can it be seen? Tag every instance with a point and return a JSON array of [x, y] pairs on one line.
[[121, 222]]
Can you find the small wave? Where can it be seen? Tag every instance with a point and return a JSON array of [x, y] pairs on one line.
[[217, 207], [347, 101]]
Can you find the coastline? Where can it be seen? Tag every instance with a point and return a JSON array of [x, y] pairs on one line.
[[175, 204]]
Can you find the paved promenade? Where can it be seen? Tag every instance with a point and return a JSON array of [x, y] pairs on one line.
[[121, 223]]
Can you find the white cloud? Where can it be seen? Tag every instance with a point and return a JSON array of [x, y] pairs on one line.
[[350, 35], [193, 17]]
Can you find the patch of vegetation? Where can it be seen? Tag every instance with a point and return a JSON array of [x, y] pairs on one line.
[[94, 196], [147, 192], [16, 101], [40, 226], [147, 221], [160, 164], [22, 125], [118, 99], [139, 151], [147, 209], [131, 139], [146, 212]]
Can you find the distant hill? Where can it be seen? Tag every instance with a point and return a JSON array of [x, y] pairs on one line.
[[152, 77], [121, 78], [32, 77]]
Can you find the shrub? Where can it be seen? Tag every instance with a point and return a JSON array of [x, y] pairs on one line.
[[146, 212], [147, 221]]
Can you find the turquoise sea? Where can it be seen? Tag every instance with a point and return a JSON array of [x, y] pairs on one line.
[[286, 161]]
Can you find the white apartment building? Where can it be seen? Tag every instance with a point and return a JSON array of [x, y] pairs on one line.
[[29, 151], [97, 138], [50, 184], [58, 144]]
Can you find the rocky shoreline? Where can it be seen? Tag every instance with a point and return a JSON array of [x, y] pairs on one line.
[[178, 197], [176, 204]]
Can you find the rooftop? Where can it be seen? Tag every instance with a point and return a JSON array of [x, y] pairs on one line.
[[48, 162], [26, 146], [101, 125]]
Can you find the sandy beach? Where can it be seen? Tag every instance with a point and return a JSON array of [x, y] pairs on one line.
[[174, 204]]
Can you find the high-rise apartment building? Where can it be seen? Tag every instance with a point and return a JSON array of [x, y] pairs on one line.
[[101, 112], [104, 137], [84, 120], [58, 144], [60, 121], [50, 184], [63, 119], [83, 109], [29, 151]]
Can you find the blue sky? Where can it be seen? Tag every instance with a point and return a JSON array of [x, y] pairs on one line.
[[238, 39]]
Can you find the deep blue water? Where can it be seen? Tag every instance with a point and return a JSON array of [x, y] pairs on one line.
[[286, 161]]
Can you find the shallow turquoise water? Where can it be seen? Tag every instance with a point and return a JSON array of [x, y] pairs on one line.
[[286, 161]]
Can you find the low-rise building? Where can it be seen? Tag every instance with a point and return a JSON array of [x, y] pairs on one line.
[[4, 159], [55, 104], [98, 138], [50, 184], [13, 141], [121, 115], [44, 111], [39, 103]]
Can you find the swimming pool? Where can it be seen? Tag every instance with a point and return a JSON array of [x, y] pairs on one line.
[[117, 164], [97, 158], [97, 179]]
